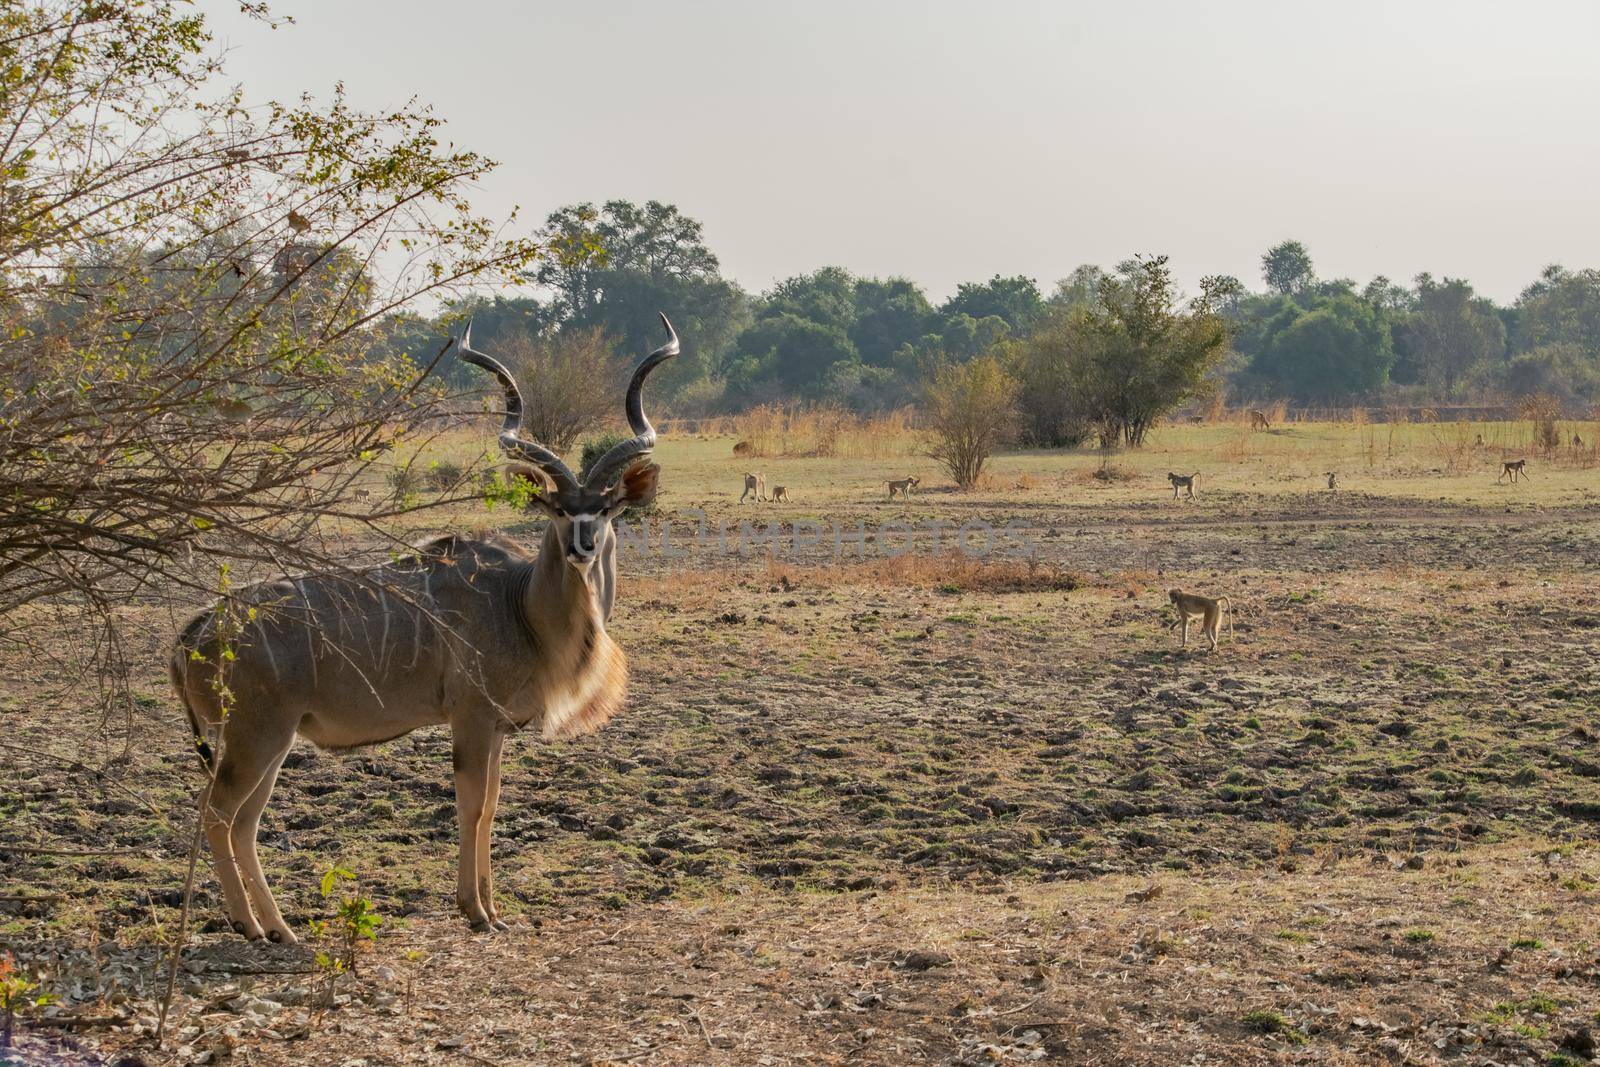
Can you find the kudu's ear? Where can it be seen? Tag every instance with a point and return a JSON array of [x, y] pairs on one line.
[[542, 486], [637, 487]]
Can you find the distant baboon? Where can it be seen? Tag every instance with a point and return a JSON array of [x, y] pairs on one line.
[[1197, 419], [904, 486], [754, 485], [1208, 609], [743, 448], [780, 492], [1517, 468], [1259, 420], [1333, 482], [1182, 481], [363, 494], [1479, 442], [1577, 442]]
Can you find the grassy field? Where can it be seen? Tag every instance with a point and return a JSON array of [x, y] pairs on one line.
[[932, 808]]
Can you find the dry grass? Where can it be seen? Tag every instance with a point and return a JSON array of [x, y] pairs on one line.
[[771, 431]]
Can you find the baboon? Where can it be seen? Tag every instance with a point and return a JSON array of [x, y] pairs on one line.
[[1333, 482], [754, 485], [363, 494], [904, 485], [1577, 442], [1479, 442], [1182, 481], [1196, 420], [1259, 420], [742, 448], [780, 492], [1517, 468], [1208, 609]]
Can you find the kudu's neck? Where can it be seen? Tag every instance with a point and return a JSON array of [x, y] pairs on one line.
[[557, 598]]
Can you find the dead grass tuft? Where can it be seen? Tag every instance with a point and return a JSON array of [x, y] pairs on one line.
[[773, 431]]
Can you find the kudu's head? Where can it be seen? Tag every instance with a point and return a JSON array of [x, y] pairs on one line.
[[581, 512]]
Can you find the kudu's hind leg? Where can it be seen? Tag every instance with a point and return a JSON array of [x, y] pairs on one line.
[[246, 761], [217, 807], [246, 824]]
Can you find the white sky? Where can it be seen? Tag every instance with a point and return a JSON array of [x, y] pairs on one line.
[[950, 140]]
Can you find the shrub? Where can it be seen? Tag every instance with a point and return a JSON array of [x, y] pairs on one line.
[[971, 410], [444, 475], [404, 482]]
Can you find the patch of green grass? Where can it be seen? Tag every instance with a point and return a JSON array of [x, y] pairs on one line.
[[1420, 936], [1267, 1021]]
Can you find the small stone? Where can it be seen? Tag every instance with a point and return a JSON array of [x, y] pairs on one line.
[[1580, 1042]]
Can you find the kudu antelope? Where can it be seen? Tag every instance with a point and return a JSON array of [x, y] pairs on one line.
[[1259, 420], [473, 632]]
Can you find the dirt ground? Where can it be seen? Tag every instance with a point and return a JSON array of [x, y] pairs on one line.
[[924, 809]]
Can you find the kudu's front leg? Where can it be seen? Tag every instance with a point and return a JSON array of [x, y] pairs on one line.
[[477, 757]]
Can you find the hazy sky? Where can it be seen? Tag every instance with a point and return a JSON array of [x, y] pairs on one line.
[[949, 141]]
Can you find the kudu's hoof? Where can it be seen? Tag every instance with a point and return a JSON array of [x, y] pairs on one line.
[[500, 925]]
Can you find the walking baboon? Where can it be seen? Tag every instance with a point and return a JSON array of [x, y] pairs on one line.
[[1259, 420], [904, 485], [1333, 482], [1182, 481], [1208, 609], [780, 492], [1517, 468], [754, 485]]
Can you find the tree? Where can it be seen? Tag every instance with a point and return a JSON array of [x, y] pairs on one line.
[[615, 267], [889, 313], [1453, 331], [569, 383], [1286, 267], [190, 361], [826, 297], [971, 411], [793, 353], [1144, 355], [1015, 300], [1339, 348], [1078, 290], [1564, 371], [1048, 363], [1562, 307]]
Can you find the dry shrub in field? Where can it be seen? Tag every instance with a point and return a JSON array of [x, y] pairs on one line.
[[1455, 443], [949, 572], [1108, 474], [827, 431], [972, 411], [1542, 412], [1277, 412], [1395, 416]]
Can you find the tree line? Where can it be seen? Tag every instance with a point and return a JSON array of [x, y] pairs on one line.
[[873, 343]]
